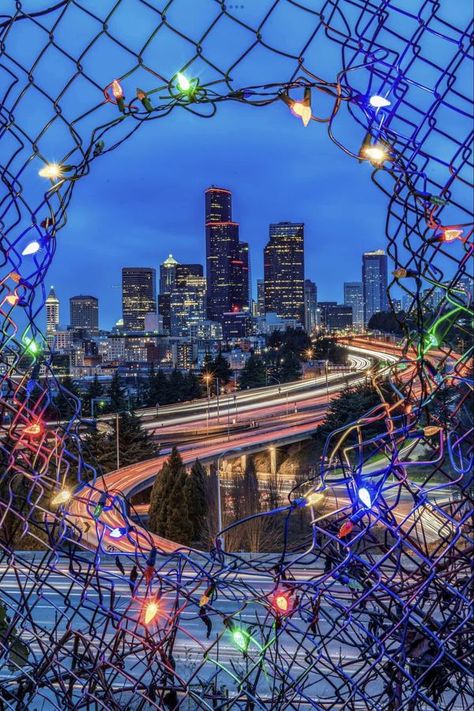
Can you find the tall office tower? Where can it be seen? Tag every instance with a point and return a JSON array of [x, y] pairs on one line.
[[261, 297], [188, 305], [168, 274], [227, 263], [183, 271], [283, 259], [310, 305], [84, 314], [52, 312], [138, 296], [354, 296], [374, 280]]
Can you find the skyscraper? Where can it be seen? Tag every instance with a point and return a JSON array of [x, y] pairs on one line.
[[184, 271], [261, 297], [138, 296], [283, 259], [310, 305], [227, 262], [374, 280], [168, 274], [52, 312], [354, 297], [187, 304], [84, 314]]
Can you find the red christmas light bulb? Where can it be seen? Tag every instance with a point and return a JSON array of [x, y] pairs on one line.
[[345, 529]]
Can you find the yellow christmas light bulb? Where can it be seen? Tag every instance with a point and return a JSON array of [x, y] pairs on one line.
[[303, 111], [314, 498], [117, 90], [451, 233], [52, 171], [375, 153], [62, 497], [431, 430]]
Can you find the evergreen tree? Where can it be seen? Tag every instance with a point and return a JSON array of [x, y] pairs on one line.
[[387, 322], [176, 385], [135, 443], [195, 495], [67, 403], [352, 404], [290, 368], [94, 391], [168, 514], [100, 451], [160, 493], [117, 396], [159, 391], [192, 386], [208, 364], [253, 373], [179, 526], [222, 369], [328, 349]]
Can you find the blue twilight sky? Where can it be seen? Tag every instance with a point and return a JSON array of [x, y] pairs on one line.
[[146, 198]]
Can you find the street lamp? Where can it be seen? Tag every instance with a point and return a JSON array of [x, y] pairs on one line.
[[207, 377], [279, 392]]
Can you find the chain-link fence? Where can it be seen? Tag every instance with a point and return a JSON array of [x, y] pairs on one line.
[[374, 612]]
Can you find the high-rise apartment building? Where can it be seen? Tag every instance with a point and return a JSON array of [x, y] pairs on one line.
[[354, 297], [84, 314], [283, 259], [52, 312], [374, 280], [227, 260], [310, 305], [138, 296]]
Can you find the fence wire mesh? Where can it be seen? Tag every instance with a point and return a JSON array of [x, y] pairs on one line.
[[375, 610]]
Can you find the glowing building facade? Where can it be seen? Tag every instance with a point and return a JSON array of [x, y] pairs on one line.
[[227, 259], [283, 259], [138, 296]]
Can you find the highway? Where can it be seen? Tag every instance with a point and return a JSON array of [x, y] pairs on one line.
[[116, 486]]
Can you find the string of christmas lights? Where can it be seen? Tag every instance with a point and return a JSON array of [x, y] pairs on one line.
[[374, 611]]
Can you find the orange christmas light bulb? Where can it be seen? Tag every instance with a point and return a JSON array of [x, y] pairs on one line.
[[345, 529], [151, 611]]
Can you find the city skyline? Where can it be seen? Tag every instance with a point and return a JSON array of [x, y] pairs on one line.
[[150, 206], [108, 319]]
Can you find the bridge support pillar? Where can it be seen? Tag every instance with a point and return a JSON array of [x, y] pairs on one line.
[[273, 460], [243, 463]]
